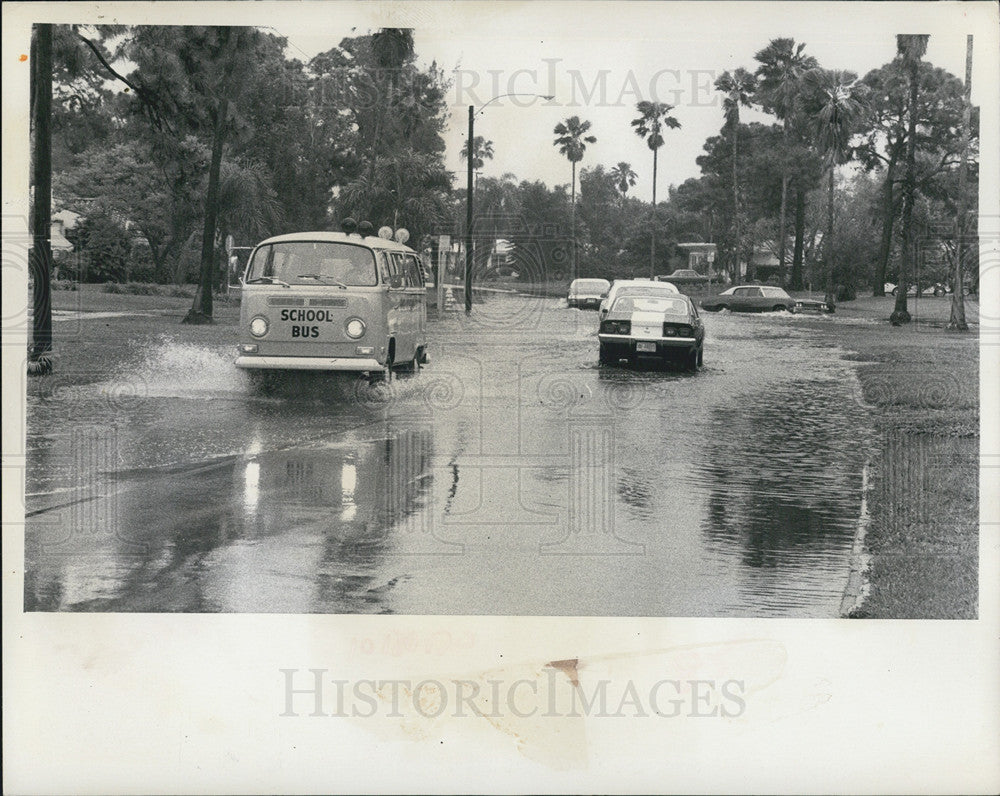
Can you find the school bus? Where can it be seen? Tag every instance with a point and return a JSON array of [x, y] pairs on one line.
[[332, 301]]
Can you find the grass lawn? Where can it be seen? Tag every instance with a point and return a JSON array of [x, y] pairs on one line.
[[923, 501], [89, 347]]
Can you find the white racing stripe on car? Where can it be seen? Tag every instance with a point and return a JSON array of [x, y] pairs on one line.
[[648, 325]]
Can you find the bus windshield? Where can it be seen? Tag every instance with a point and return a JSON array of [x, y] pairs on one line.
[[313, 263]]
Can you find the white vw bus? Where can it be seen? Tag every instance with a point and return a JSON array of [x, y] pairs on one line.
[[329, 301]]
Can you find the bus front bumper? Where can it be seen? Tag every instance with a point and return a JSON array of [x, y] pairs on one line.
[[308, 363]]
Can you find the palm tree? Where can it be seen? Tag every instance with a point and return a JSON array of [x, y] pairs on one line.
[[836, 101], [779, 78], [910, 48], [572, 142], [738, 87], [624, 178], [482, 151], [648, 126]]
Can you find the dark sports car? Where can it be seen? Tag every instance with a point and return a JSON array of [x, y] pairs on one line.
[[650, 327]]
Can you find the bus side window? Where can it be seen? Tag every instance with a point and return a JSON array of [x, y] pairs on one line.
[[399, 269], [414, 272], [383, 268]]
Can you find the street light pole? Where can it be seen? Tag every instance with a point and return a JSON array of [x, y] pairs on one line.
[[468, 213], [470, 188]]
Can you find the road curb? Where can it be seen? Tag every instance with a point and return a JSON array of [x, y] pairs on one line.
[[857, 586]]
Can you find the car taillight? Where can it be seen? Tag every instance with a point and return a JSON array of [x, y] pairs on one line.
[[677, 330], [616, 327]]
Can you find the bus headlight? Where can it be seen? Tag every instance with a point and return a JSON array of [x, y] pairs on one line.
[[355, 328], [258, 326]]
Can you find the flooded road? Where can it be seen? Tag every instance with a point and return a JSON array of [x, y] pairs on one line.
[[510, 476]]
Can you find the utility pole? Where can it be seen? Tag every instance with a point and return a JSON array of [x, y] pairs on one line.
[[468, 213], [40, 223], [470, 191]]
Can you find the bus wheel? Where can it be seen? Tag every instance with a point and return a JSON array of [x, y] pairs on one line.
[[414, 364]]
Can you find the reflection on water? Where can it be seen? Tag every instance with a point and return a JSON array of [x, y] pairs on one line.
[[302, 529], [784, 483]]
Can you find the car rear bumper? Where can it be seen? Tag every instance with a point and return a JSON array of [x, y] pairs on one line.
[[625, 346], [308, 363]]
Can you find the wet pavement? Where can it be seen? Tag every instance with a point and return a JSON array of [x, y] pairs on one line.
[[512, 475]]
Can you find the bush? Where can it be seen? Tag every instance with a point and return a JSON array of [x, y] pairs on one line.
[[148, 289], [64, 284], [105, 246]]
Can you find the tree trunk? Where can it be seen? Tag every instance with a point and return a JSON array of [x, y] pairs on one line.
[[40, 257], [957, 320], [888, 222], [781, 226], [900, 314], [572, 221], [830, 297], [652, 226], [800, 230], [736, 213], [201, 310], [784, 205]]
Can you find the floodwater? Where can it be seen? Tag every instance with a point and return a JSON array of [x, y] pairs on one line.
[[512, 475]]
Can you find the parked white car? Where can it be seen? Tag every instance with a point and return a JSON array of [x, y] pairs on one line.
[[643, 287], [587, 292]]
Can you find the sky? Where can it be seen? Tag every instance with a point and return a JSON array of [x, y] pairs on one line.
[[600, 59]]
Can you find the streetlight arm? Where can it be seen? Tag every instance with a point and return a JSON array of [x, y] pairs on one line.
[[514, 94]]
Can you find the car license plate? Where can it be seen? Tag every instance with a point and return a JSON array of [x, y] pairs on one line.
[[646, 348]]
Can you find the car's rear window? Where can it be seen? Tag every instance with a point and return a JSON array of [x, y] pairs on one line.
[[651, 290], [645, 303], [598, 285]]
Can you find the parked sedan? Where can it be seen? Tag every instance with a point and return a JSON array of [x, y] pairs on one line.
[[587, 292], [685, 276], [758, 298], [654, 328]]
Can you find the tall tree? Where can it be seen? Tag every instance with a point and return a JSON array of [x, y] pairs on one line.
[[883, 146], [653, 118], [957, 320], [837, 101], [737, 88], [40, 257], [782, 66], [758, 178], [397, 112], [572, 139], [910, 49], [624, 177]]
